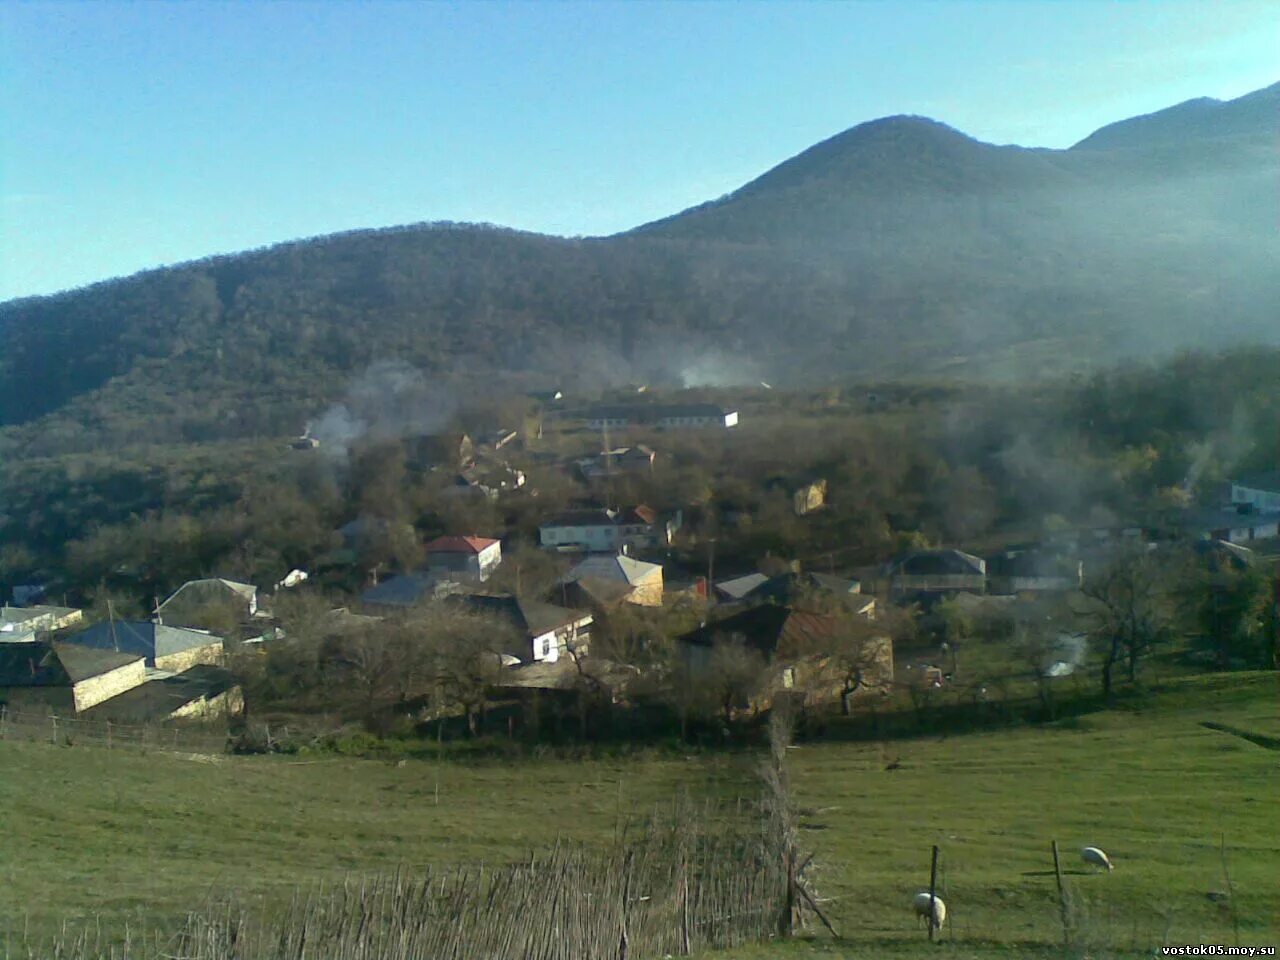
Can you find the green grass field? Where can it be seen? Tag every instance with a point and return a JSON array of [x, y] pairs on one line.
[[126, 836]]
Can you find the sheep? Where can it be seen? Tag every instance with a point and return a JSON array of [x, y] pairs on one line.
[[920, 904], [1095, 857]]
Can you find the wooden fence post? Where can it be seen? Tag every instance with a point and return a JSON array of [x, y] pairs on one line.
[[933, 891], [4, 717], [53, 737], [108, 734], [684, 904], [1062, 897]]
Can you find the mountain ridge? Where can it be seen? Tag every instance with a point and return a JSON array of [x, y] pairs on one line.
[[898, 244]]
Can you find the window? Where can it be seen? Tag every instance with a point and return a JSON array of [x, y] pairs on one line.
[[546, 646]]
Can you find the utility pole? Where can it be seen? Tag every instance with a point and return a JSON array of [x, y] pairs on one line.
[[711, 570]]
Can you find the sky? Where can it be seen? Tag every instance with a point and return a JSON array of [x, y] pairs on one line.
[[134, 135]]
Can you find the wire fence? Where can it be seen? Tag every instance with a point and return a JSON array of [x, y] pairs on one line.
[[36, 727]]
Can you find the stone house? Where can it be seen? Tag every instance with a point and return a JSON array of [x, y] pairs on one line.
[[38, 619], [64, 677], [172, 649], [202, 693], [643, 581], [207, 603], [796, 647]]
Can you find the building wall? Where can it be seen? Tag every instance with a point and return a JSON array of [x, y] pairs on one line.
[[93, 691], [1263, 500], [649, 592], [939, 583], [229, 703], [185, 660], [595, 537]]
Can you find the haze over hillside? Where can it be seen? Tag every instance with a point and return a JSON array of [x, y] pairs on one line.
[[899, 245]]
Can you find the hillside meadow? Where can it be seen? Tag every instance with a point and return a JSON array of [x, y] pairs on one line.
[[138, 839]]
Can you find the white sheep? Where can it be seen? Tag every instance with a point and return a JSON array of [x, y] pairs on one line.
[[1095, 857], [920, 904]]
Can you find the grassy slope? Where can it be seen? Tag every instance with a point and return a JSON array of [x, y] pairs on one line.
[[90, 831]]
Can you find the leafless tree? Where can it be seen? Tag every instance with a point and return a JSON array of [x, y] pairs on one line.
[[1129, 605]]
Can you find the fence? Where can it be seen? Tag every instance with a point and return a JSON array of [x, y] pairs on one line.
[[50, 728], [692, 881]]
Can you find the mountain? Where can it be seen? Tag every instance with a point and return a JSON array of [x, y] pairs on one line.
[[898, 246]]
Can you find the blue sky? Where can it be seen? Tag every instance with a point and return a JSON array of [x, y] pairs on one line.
[[139, 134]]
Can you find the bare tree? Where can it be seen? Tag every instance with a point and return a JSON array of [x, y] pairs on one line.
[[736, 676], [1129, 604]]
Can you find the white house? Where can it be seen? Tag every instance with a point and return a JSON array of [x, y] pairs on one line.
[[669, 416], [463, 558], [696, 415], [601, 530], [541, 632], [1262, 492]]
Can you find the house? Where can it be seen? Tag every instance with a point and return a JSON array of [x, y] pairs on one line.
[[203, 692], [497, 439], [38, 619], [602, 530], [618, 461], [542, 632], [595, 593], [738, 587], [794, 643], [463, 558], [1261, 491], [642, 580], [432, 451], [665, 416], [695, 415], [808, 497], [1239, 523], [63, 677], [934, 573], [407, 589], [207, 603], [488, 480], [792, 588], [1032, 570], [173, 649]]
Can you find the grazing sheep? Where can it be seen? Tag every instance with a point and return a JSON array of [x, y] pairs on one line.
[[920, 904], [1095, 857]]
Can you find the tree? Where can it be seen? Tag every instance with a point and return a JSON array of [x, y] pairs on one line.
[[1128, 601], [1229, 605], [735, 676], [465, 656], [857, 657]]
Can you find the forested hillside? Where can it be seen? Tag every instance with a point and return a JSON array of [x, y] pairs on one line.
[[898, 246]]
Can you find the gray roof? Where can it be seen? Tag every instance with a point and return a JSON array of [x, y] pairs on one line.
[[739, 587], [211, 588], [406, 589], [24, 615], [43, 664], [933, 563], [1269, 482], [614, 568], [142, 638], [530, 618], [161, 698]]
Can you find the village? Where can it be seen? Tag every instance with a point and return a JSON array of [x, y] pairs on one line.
[[618, 612]]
